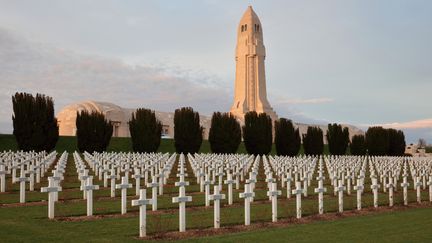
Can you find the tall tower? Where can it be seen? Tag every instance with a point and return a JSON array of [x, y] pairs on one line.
[[250, 84]]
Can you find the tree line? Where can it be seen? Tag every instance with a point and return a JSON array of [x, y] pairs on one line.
[[36, 128]]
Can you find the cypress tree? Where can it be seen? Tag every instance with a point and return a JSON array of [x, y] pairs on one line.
[[287, 139], [337, 138], [396, 142], [257, 133], [313, 143], [35, 126], [225, 133], [93, 131], [187, 131], [358, 145], [145, 131], [377, 141]]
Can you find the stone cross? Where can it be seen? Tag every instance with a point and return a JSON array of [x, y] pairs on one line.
[[2, 178], [348, 179], [154, 186], [31, 173], [51, 189], [429, 183], [89, 187], [341, 188], [105, 175], [57, 179], [390, 186], [142, 202], [375, 186], [216, 197], [207, 183], [124, 186], [137, 175], [22, 180], [288, 180], [298, 192], [112, 177], [359, 188], [320, 190], [273, 193], [247, 195], [418, 189], [230, 183], [181, 200], [251, 181], [83, 179], [405, 186]]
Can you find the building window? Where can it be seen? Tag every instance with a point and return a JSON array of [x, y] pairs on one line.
[[242, 28], [165, 129], [245, 28]]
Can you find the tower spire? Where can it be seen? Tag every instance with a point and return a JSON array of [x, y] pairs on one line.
[[250, 84]]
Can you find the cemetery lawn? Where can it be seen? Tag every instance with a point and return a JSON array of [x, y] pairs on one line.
[[29, 224]]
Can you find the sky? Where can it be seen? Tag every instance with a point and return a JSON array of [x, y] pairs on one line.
[[363, 62]]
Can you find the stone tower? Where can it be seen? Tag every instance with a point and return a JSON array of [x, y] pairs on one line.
[[250, 84]]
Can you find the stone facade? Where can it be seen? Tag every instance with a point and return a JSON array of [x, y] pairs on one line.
[[119, 118]]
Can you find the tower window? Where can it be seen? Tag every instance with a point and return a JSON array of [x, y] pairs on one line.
[[245, 27], [242, 28]]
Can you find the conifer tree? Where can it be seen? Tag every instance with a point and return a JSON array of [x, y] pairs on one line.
[[145, 130], [313, 143], [93, 131], [187, 131], [287, 138], [358, 145], [34, 123], [224, 134], [257, 133], [337, 138]]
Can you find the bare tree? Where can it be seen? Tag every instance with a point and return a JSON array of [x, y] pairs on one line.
[[422, 143]]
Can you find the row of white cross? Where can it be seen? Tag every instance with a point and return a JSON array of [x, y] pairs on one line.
[[345, 173], [31, 166]]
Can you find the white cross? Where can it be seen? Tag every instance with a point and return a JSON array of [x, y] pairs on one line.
[[405, 186], [137, 175], [51, 189], [430, 188], [298, 192], [22, 180], [142, 202], [247, 195], [375, 186], [2, 178], [320, 190], [216, 197], [418, 189], [181, 200], [31, 173], [390, 186], [89, 187], [207, 183], [124, 186], [288, 180], [112, 177], [341, 188], [83, 179], [273, 195], [230, 183], [154, 186], [359, 188]]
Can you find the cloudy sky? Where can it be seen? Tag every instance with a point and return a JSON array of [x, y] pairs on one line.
[[363, 62]]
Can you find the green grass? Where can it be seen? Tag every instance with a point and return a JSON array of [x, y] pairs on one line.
[[69, 144], [30, 224]]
